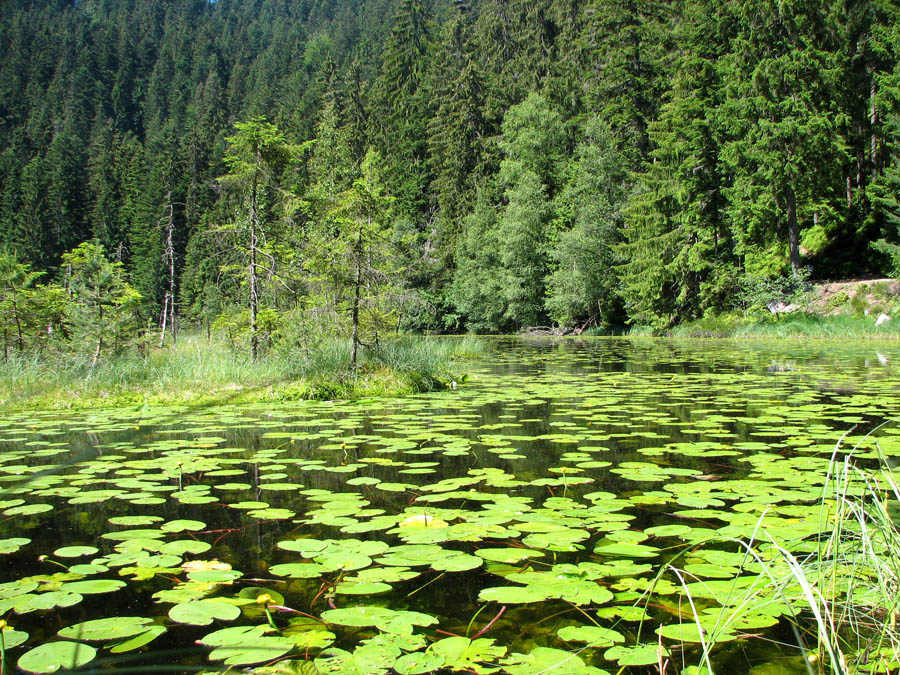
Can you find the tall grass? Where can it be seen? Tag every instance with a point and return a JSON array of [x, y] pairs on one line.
[[797, 325], [201, 371], [842, 600]]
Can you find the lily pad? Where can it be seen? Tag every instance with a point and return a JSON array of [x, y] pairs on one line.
[[75, 551], [114, 628], [203, 612], [12, 545], [50, 657]]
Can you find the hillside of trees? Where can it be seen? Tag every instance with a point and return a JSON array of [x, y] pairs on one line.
[[427, 165]]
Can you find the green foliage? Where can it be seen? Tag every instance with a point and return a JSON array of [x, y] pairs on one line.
[[359, 257], [18, 318], [600, 161], [102, 314], [784, 151], [477, 290], [513, 262], [236, 328], [582, 286], [258, 154], [758, 295]]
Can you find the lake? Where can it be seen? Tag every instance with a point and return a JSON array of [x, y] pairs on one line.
[[573, 506]]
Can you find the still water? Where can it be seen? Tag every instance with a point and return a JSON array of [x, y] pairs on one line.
[[574, 506]]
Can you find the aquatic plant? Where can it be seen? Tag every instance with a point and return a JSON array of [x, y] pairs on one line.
[[582, 506]]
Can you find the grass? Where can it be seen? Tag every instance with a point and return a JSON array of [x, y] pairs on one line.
[[797, 325], [201, 372], [842, 600]]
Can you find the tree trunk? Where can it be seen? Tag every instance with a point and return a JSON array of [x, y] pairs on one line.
[[254, 290], [165, 316], [873, 121], [356, 292], [793, 230], [168, 315], [99, 347], [20, 338]]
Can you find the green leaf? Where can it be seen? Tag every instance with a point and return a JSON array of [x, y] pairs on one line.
[[12, 545], [138, 640], [75, 551], [114, 628], [461, 653], [93, 586], [418, 663], [548, 661], [50, 657], [639, 655], [595, 636], [264, 648], [507, 555], [13, 638], [182, 525], [204, 612]]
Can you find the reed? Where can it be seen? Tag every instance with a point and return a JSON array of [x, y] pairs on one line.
[[202, 371], [841, 600]]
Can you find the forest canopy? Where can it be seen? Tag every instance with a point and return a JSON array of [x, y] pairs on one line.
[[438, 166]]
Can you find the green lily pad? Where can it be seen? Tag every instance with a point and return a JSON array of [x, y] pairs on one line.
[[44, 601], [626, 550], [461, 653], [182, 525], [256, 650], [12, 545], [549, 661], [507, 555], [28, 509], [362, 588], [138, 640], [385, 619], [514, 595], [418, 663], [50, 657], [204, 612], [75, 551], [182, 546], [639, 655], [135, 521], [114, 628], [689, 631], [595, 636]]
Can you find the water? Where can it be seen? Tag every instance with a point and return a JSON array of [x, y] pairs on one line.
[[554, 456]]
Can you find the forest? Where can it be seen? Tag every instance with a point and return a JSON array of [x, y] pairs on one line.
[[266, 167]]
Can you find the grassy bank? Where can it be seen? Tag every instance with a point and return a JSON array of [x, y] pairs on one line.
[[201, 372], [797, 325]]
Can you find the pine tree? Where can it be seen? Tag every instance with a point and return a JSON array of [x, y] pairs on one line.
[[102, 312], [677, 253], [624, 48], [258, 153], [783, 145], [361, 258], [400, 106], [16, 321]]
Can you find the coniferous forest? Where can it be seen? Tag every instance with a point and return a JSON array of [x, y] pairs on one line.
[[425, 165]]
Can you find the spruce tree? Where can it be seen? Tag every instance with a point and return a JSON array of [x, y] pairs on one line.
[[782, 145]]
